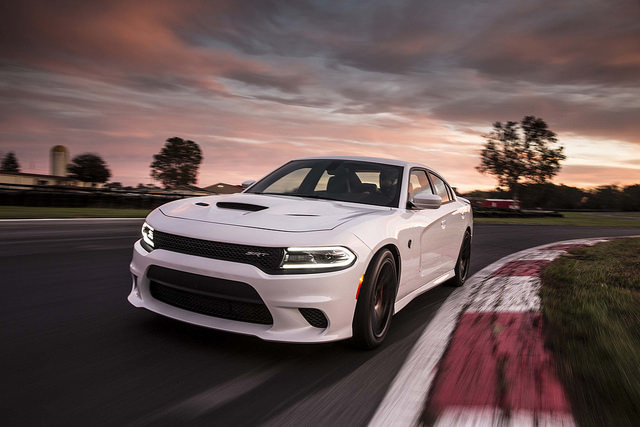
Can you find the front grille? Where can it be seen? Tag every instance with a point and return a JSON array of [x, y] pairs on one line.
[[315, 317], [265, 258], [212, 296]]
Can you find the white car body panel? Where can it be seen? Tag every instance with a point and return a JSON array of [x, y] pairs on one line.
[[426, 243], [283, 213]]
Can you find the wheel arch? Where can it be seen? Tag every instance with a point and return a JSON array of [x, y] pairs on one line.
[[365, 334], [396, 256]]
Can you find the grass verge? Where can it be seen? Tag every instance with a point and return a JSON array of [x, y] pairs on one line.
[[570, 218], [31, 212], [591, 305]]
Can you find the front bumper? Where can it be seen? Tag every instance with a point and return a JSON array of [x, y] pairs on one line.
[[333, 293]]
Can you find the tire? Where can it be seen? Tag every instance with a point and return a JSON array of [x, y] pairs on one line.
[[462, 264], [376, 301]]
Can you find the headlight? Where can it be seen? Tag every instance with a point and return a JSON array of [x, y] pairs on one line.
[[147, 237], [320, 258]]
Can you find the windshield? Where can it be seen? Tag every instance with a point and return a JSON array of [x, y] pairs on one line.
[[344, 180]]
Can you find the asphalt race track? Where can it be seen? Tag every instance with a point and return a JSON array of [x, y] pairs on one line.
[[74, 352]]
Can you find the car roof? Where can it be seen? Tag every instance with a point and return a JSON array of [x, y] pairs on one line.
[[369, 159]]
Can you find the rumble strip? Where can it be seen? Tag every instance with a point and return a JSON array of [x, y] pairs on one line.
[[496, 370]]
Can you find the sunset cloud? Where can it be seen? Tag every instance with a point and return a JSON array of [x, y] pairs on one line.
[[258, 83]]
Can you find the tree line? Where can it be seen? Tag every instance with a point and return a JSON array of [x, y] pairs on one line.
[[551, 196], [176, 164], [523, 156]]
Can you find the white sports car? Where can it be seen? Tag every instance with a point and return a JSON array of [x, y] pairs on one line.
[[321, 249]]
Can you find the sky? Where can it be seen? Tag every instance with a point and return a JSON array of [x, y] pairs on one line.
[[257, 83]]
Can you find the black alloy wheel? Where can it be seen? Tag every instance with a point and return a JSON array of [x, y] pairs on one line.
[[376, 301], [464, 260]]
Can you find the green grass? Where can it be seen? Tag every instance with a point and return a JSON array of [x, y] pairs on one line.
[[591, 305], [570, 218], [29, 212], [631, 214]]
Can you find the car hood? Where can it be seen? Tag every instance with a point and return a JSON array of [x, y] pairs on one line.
[[268, 212]]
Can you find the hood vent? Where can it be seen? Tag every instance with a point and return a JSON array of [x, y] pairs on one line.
[[240, 206]]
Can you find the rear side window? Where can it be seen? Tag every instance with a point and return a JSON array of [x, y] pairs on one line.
[[440, 188]]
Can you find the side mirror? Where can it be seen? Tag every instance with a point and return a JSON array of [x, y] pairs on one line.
[[426, 200], [248, 183]]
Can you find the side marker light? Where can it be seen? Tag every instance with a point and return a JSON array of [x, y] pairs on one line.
[[359, 285]]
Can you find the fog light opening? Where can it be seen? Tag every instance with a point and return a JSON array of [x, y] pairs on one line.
[[314, 317]]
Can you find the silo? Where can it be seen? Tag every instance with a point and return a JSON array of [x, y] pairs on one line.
[[59, 160]]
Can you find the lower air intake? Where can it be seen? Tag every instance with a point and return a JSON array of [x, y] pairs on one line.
[[315, 317], [212, 296], [212, 306]]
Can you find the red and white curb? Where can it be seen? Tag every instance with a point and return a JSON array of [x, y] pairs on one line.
[[496, 369]]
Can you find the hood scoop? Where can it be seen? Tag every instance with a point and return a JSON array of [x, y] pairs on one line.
[[240, 206]]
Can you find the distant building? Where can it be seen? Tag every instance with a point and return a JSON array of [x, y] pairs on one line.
[[222, 188], [29, 179], [59, 159]]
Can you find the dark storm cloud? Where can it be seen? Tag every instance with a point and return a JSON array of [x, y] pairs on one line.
[[504, 43], [260, 27], [370, 35], [571, 42], [604, 120], [546, 41], [136, 42]]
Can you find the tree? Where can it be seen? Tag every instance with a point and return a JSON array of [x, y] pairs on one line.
[[524, 150], [632, 198], [89, 168], [10, 163], [177, 163]]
